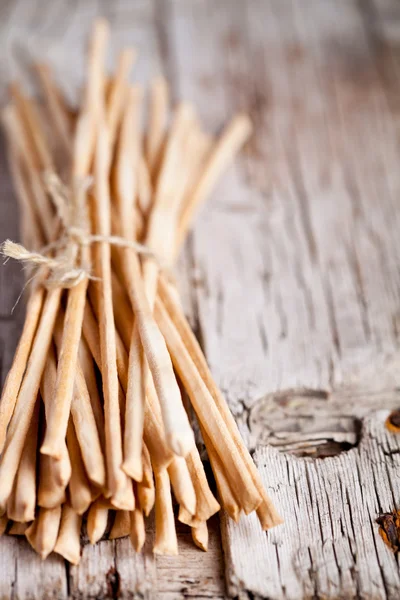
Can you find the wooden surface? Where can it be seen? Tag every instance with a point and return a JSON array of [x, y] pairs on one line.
[[291, 280]]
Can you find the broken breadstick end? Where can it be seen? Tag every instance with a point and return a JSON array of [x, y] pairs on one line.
[[134, 469], [200, 536], [181, 444]]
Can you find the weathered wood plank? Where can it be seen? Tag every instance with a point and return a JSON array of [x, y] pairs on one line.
[[24, 575], [299, 314], [329, 546], [203, 573], [295, 223], [293, 267]]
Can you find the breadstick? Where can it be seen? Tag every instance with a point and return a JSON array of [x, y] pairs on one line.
[[15, 374], [200, 536], [230, 142], [209, 415], [23, 411], [43, 532], [57, 113], [80, 492], [182, 484], [68, 543], [84, 421], [24, 494], [118, 91], [145, 490], [97, 521], [166, 541], [158, 113], [115, 476], [137, 529], [267, 512]]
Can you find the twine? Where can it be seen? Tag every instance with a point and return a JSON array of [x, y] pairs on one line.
[[70, 264]]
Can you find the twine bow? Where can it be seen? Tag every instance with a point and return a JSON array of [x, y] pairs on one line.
[[70, 264]]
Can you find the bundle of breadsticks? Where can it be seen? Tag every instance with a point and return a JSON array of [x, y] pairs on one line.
[[94, 425]]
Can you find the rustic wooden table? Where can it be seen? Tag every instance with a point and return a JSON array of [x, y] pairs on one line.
[[291, 279]]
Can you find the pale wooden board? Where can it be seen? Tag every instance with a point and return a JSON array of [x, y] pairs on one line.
[[329, 546], [291, 277], [299, 314]]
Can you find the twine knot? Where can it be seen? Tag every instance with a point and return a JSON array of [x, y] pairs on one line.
[[67, 258]]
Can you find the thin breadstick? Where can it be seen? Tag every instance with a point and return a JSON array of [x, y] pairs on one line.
[[80, 492], [147, 497], [200, 536], [166, 541], [147, 479], [126, 498], [87, 366], [97, 521], [59, 118], [115, 476], [153, 432], [31, 231], [209, 415], [230, 142], [43, 532], [127, 157], [28, 110], [84, 421], [91, 332], [93, 101], [134, 414], [118, 90], [158, 114], [33, 310], [68, 543], [267, 513], [122, 525], [168, 197], [123, 311], [206, 504], [23, 411], [59, 410], [137, 527], [145, 490], [16, 373], [228, 500], [55, 474], [60, 407], [138, 531], [26, 153], [145, 193], [18, 528], [51, 492], [24, 494], [154, 435], [127, 160], [182, 484], [179, 434]]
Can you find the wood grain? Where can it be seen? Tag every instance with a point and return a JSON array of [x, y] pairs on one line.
[[290, 277], [329, 546]]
